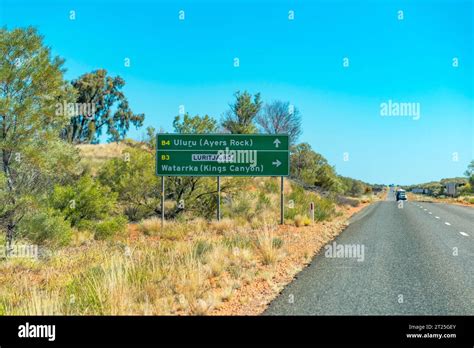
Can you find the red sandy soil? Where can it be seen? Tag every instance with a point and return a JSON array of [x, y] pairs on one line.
[[301, 244]]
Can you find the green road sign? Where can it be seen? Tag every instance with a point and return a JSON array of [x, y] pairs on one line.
[[222, 155], [221, 141]]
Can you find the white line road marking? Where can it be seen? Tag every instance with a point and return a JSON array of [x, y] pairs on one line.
[[447, 223], [430, 213], [425, 209], [437, 217], [464, 234]]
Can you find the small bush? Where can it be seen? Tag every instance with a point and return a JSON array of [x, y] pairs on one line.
[[47, 226], [277, 243], [85, 200], [301, 199], [136, 186], [298, 220], [110, 227], [323, 209], [302, 220]]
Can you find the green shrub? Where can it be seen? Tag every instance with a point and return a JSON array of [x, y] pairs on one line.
[[465, 190], [132, 178], [110, 227], [324, 208], [88, 205], [277, 243], [45, 226], [85, 200]]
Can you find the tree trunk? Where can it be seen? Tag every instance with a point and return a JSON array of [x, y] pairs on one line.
[[10, 233], [6, 158]]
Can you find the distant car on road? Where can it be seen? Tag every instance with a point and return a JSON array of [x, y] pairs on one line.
[[401, 195]]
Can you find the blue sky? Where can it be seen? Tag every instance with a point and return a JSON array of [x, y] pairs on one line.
[[190, 63]]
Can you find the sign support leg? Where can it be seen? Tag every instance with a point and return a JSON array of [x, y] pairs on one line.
[[218, 198], [281, 203], [162, 201]]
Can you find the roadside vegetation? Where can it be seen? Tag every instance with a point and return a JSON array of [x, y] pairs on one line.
[[93, 209], [437, 190]]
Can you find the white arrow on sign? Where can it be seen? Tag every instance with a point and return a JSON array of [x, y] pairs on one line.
[[277, 143], [276, 163]]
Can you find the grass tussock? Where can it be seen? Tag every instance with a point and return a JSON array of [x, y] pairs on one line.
[[269, 247]]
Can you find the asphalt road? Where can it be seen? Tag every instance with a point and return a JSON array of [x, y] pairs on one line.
[[413, 260]]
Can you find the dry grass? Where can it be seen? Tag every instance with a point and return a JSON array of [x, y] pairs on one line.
[[102, 151], [150, 226], [94, 156], [223, 225], [186, 268], [268, 250]]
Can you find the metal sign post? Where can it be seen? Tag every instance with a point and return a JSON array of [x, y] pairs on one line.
[[218, 198], [162, 201], [282, 210]]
